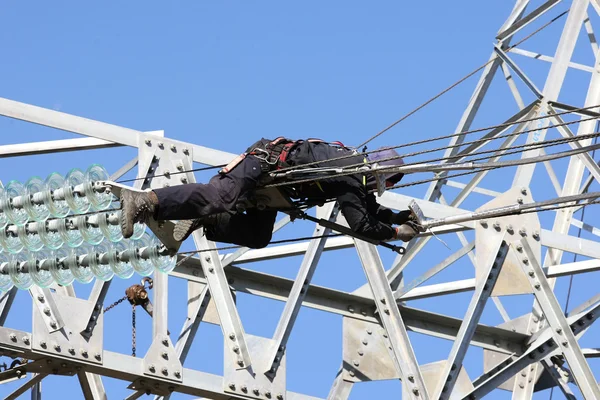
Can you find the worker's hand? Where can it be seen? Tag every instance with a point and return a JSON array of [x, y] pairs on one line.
[[406, 232], [402, 217]]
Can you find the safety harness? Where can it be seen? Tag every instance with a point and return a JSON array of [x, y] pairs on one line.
[[275, 154], [280, 149]]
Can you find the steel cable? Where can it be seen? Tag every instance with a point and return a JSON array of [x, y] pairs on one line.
[[423, 141], [543, 208], [417, 109], [526, 146], [431, 100]]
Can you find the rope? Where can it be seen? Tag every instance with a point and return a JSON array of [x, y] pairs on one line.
[[431, 100]]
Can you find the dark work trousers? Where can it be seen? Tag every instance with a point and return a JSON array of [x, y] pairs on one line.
[[220, 194], [195, 200], [250, 229]]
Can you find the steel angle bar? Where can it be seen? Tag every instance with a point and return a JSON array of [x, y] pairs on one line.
[[460, 185], [458, 200], [54, 146], [124, 169], [434, 270], [490, 272], [467, 119], [430, 208], [231, 324], [439, 289], [585, 305], [565, 48], [97, 129], [91, 381], [587, 112], [570, 244], [195, 383], [541, 348], [351, 305], [512, 86], [542, 57], [198, 299], [586, 227], [44, 301], [298, 292], [415, 247], [507, 60], [561, 329], [135, 395], [579, 267], [591, 353], [524, 114], [464, 242], [585, 158], [340, 390], [551, 174], [477, 97], [36, 391], [6, 302], [91, 385], [515, 15], [581, 309], [67, 122], [97, 297], [526, 20], [556, 377], [161, 297], [554, 81], [404, 356], [26, 386], [587, 183]]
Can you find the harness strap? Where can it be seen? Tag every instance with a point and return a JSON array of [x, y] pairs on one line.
[[277, 151]]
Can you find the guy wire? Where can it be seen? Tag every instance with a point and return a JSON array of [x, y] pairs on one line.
[[431, 100]]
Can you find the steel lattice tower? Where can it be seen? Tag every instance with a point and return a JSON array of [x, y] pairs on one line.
[[515, 255]]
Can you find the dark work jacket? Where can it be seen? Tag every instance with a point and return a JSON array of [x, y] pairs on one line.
[[363, 213]]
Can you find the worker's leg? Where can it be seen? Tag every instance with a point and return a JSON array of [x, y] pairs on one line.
[[190, 201], [252, 229], [196, 200]]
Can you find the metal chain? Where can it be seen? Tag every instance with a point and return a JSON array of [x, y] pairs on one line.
[[133, 328], [133, 332], [116, 303]]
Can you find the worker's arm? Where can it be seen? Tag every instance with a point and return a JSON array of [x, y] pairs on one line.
[[384, 214], [354, 207]]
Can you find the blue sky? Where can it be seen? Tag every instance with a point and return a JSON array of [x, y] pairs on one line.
[[222, 74]]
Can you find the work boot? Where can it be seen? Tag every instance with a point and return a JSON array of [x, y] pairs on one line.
[[184, 228], [136, 207], [406, 232]]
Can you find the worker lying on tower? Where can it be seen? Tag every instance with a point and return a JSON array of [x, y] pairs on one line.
[[213, 205]]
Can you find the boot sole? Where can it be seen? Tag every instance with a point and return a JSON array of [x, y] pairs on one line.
[[182, 229], [124, 230]]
